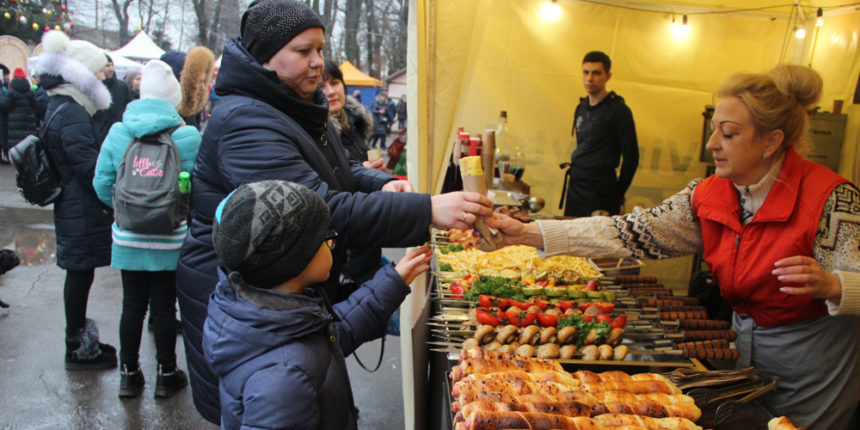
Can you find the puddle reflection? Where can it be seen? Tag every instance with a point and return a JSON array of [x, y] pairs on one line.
[[30, 233]]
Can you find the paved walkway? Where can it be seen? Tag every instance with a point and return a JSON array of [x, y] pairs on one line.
[[37, 393]]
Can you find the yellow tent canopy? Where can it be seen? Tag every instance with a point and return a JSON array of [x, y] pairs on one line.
[[356, 78]]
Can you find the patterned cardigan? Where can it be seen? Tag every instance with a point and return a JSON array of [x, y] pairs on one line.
[[671, 229]]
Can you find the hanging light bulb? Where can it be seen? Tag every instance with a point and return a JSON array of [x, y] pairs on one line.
[[820, 21], [550, 11], [799, 33], [680, 30]]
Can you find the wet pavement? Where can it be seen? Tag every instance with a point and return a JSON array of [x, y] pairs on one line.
[[38, 393]]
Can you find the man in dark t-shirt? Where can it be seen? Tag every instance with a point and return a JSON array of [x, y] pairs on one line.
[[605, 134]]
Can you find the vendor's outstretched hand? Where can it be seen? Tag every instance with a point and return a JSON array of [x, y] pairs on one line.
[[459, 209], [413, 264], [803, 275], [398, 186], [516, 232], [512, 228]]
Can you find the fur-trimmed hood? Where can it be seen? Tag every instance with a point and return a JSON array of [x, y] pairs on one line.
[[199, 61], [359, 117], [74, 73]]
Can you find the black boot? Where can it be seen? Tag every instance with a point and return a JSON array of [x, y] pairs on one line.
[[170, 380], [130, 381], [84, 352]]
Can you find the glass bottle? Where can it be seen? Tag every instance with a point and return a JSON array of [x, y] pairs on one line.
[[509, 156]]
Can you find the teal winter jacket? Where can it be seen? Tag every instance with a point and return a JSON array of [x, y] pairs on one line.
[[131, 250]]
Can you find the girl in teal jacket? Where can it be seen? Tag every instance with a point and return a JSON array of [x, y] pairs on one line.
[[147, 261]]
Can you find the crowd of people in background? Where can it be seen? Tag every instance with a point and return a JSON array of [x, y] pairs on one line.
[[98, 113]]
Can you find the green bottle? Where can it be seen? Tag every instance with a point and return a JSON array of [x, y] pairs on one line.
[[184, 182]]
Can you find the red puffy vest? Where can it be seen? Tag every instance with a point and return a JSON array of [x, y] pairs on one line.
[[741, 257]]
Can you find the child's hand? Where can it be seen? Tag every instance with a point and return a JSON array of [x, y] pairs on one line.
[[413, 264]]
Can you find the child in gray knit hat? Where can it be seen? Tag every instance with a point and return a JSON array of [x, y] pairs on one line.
[[274, 340]]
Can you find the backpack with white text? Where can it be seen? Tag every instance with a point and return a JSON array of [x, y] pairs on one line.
[[146, 194]]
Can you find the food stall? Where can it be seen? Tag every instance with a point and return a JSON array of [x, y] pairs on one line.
[[470, 60]]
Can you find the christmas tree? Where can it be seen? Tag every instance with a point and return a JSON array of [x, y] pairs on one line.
[[29, 19]]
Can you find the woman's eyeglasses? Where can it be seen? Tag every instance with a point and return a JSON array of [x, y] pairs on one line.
[[331, 239]]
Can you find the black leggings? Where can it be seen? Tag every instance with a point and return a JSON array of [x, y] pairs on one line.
[[76, 292], [156, 290]]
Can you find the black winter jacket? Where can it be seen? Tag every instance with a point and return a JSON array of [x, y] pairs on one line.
[[261, 130], [81, 220], [20, 106], [120, 97]]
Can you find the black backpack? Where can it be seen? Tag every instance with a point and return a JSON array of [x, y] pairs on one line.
[[38, 181], [146, 195]]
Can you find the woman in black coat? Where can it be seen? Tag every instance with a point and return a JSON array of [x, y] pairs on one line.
[[353, 123], [21, 106], [67, 70], [272, 123]]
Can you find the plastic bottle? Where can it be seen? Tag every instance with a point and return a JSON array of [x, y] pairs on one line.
[[184, 182]]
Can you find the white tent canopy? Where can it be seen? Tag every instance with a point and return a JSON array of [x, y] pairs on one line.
[[141, 47]]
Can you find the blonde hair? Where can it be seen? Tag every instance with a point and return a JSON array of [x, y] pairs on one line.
[[199, 61], [778, 100]]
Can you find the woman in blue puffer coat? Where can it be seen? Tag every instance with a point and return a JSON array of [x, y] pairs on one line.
[[147, 261], [272, 123], [82, 222]]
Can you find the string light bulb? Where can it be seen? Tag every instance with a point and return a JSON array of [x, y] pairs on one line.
[[820, 21], [680, 30], [799, 33], [550, 11]]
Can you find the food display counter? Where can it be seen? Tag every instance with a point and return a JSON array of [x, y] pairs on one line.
[[594, 316]]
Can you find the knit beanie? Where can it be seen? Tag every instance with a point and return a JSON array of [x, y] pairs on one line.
[[268, 25], [269, 230], [157, 82], [19, 73], [176, 60], [91, 56]]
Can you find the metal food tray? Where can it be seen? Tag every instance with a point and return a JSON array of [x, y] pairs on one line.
[[752, 415], [444, 304], [617, 266]]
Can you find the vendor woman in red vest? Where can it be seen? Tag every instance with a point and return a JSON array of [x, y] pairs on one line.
[[780, 233]]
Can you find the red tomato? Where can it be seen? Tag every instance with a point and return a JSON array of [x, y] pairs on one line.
[[519, 304], [620, 321], [492, 302], [486, 316], [542, 283], [547, 320], [564, 305], [592, 286], [605, 307], [520, 319], [603, 318], [456, 290], [587, 318], [542, 304]]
